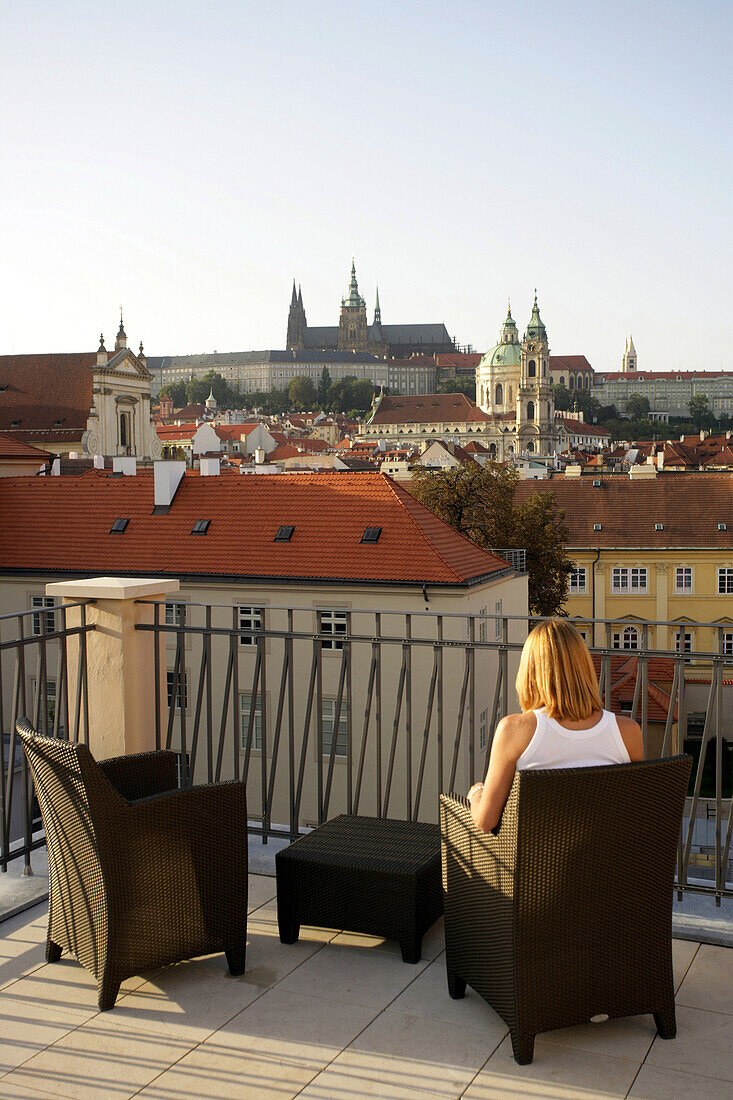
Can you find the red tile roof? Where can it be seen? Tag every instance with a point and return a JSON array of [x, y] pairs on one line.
[[689, 506], [463, 359], [569, 362], [66, 522], [432, 408], [18, 450], [624, 673], [581, 428], [39, 390]]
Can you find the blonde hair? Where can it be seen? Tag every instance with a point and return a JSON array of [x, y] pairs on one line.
[[556, 672]]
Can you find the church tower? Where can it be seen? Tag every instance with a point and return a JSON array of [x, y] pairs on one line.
[[297, 324], [353, 332], [535, 403], [628, 363]]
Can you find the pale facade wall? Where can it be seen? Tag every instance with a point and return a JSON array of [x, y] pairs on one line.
[[505, 596], [119, 421], [663, 599]]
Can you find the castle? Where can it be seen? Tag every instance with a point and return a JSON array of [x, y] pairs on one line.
[[354, 333]]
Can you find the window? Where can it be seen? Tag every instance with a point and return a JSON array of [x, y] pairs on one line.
[[497, 612], [728, 643], [577, 581], [725, 582], [200, 527], [632, 579], [329, 717], [483, 730], [628, 638], [499, 396], [245, 709], [683, 578], [249, 619], [482, 627], [683, 641], [371, 534], [284, 534], [118, 526], [333, 623], [46, 623], [181, 696], [530, 410], [531, 368], [175, 614]]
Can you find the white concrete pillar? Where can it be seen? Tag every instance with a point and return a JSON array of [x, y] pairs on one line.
[[120, 659]]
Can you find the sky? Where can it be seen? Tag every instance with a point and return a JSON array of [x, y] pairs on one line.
[[187, 160]]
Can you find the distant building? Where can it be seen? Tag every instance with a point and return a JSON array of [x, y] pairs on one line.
[[513, 388], [262, 371], [668, 392], [91, 403], [354, 333]]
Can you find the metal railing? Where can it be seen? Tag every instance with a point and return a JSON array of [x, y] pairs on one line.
[[35, 682], [516, 558], [365, 710]]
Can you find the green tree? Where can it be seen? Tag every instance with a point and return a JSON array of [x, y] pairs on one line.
[[479, 502], [177, 391], [324, 385], [459, 385], [302, 392], [352, 395], [700, 412], [563, 397], [638, 407], [198, 389]]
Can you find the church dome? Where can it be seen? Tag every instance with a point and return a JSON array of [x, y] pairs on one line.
[[503, 355]]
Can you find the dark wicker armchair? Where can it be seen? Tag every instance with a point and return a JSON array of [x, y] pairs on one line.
[[140, 874], [564, 912]]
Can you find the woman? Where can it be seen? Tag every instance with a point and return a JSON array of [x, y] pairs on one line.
[[563, 724]]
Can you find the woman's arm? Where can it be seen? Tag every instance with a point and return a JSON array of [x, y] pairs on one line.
[[512, 736]]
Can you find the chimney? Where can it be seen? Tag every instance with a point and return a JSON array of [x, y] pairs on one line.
[[260, 455], [660, 459], [56, 468], [99, 462], [209, 467], [73, 454], [167, 476], [126, 466]]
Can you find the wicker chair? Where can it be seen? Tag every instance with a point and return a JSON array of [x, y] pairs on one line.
[[564, 911], [140, 874]]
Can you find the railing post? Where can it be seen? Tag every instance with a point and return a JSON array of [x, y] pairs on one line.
[[120, 664]]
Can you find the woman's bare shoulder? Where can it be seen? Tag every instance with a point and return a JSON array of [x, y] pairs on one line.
[[631, 736], [516, 730]]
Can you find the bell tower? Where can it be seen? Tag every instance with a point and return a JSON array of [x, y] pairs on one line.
[[535, 403], [353, 332], [628, 363]]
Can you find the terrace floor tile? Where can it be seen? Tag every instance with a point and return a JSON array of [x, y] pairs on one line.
[[556, 1073], [708, 983]]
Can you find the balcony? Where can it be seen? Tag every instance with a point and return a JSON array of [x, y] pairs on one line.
[[373, 713]]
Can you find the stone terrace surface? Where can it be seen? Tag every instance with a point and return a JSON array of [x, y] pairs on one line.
[[333, 1017]]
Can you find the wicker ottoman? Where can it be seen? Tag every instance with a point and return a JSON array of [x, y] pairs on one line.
[[363, 874]]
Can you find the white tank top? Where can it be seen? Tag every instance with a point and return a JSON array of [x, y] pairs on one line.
[[555, 746]]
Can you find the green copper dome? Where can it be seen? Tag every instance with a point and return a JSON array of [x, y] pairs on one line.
[[503, 355]]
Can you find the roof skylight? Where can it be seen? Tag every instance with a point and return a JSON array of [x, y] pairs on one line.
[[371, 534], [118, 526], [200, 527], [284, 533]]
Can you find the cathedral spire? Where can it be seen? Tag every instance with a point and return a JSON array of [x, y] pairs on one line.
[[353, 298], [377, 311], [536, 326], [293, 296]]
